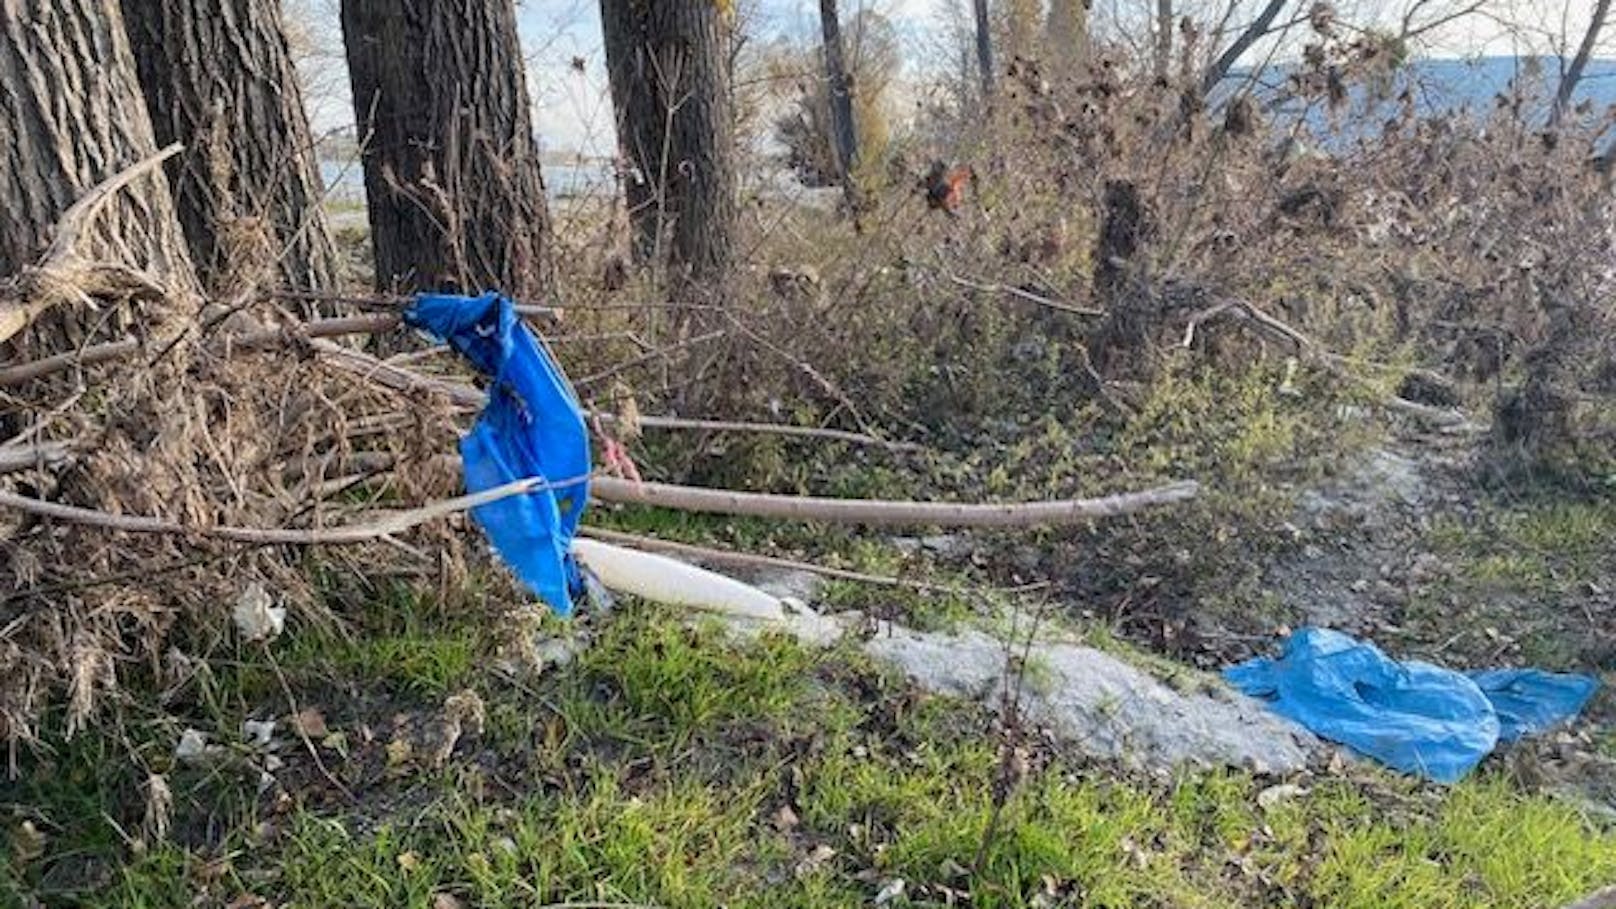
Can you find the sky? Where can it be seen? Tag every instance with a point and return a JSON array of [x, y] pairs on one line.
[[572, 111]]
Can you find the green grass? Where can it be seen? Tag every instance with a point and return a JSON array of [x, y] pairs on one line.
[[1504, 565], [653, 770], [668, 766]]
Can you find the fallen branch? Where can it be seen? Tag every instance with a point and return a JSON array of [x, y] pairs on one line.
[[360, 533], [750, 560], [379, 301], [52, 276], [778, 429], [395, 377], [320, 328], [27, 457], [89, 356], [1334, 363], [884, 513], [1027, 295], [1245, 311]]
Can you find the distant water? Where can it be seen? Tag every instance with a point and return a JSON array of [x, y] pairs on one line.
[[345, 181]]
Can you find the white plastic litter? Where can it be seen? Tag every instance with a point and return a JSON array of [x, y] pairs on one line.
[[256, 615]]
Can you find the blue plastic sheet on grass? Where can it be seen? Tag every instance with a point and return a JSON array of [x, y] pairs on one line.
[[532, 426], [1410, 715]]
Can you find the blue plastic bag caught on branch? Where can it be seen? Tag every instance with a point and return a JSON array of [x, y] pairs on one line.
[[532, 426], [1412, 716]]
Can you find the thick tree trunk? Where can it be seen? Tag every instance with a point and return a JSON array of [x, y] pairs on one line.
[[218, 77], [451, 164], [71, 116], [1023, 31], [841, 95], [1585, 50], [984, 45], [676, 131], [1068, 34]]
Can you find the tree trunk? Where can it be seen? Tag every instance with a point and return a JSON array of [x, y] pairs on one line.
[[675, 129], [841, 96], [71, 116], [1164, 39], [218, 77], [452, 176], [984, 46], [1573, 75], [1068, 35], [1023, 31]]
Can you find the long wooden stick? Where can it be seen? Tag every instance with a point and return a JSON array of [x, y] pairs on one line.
[[359, 533], [752, 560], [884, 513], [89, 356]]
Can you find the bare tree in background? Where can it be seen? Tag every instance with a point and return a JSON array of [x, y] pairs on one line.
[[451, 164], [1231, 55], [1162, 61], [669, 82], [1579, 63], [218, 77], [841, 96], [71, 115], [984, 45]]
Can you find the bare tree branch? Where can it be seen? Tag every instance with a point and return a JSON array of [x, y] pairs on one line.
[[1226, 61]]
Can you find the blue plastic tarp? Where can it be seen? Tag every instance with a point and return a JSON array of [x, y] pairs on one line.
[[531, 427], [1413, 716]]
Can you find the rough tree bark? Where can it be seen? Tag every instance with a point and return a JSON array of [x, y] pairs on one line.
[[71, 115], [218, 77], [841, 96], [1023, 18], [984, 45], [666, 65], [452, 176], [1573, 74], [1067, 30]]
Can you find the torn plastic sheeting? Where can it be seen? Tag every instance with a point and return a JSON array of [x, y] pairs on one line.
[[1411, 715], [531, 426]]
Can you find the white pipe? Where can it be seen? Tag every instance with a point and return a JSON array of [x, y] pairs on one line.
[[675, 583]]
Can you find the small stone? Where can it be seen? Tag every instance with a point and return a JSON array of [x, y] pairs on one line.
[[785, 819], [890, 891], [1283, 792], [257, 733], [814, 860], [193, 745], [309, 723]]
